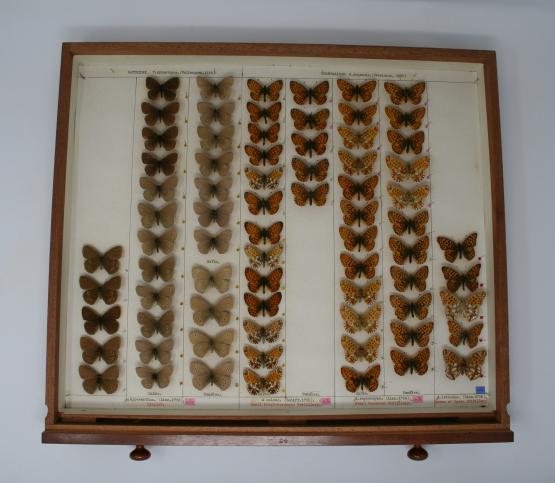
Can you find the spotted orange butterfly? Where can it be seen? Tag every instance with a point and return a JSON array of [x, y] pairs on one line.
[[265, 92], [453, 249], [403, 252], [354, 294], [415, 308], [414, 197], [460, 335], [357, 116], [270, 113], [466, 280], [401, 224], [364, 189], [257, 385], [355, 322], [357, 268], [315, 145], [269, 205], [263, 181], [259, 234], [257, 306], [269, 135], [404, 334], [358, 139], [357, 241], [352, 214], [316, 94], [400, 143], [398, 118], [403, 280], [351, 91], [403, 363], [268, 359], [400, 95], [468, 308], [317, 196], [256, 281], [308, 172], [259, 156], [355, 352], [262, 258], [456, 365], [257, 333], [368, 380], [408, 171], [316, 120], [357, 165]]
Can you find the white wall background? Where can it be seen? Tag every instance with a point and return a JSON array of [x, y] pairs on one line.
[[522, 33]]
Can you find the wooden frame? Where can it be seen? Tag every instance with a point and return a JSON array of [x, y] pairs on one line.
[[417, 429]]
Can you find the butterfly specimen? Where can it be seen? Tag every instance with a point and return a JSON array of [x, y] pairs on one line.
[[403, 280], [408, 171], [148, 351], [220, 311], [355, 322], [407, 253], [151, 325], [93, 290], [203, 375], [257, 385], [151, 242], [209, 88], [456, 365], [164, 190], [207, 241], [150, 215], [316, 120], [403, 198], [107, 321], [165, 90], [270, 113], [419, 335], [358, 92], [165, 114], [210, 113], [355, 352], [256, 281], [262, 181], [465, 280], [149, 377], [354, 294], [401, 224], [414, 308], [260, 258], [219, 278], [219, 343], [257, 333], [316, 94], [269, 205], [210, 139], [259, 156], [257, 234], [460, 335], [109, 260], [453, 249], [258, 135], [209, 164], [93, 351], [352, 214], [208, 215], [269, 92], [402, 95], [165, 139], [400, 143], [309, 172], [304, 145], [357, 116], [155, 165], [354, 379], [357, 268], [208, 189], [258, 306], [258, 359], [357, 165], [93, 381], [358, 139], [150, 296], [317, 196], [358, 241], [457, 307], [152, 270], [403, 363], [398, 118], [363, 190]]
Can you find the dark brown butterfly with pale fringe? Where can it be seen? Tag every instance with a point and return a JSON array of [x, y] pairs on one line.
[[108, 321], [367, 380], [270, 113], [316, 94], [367, 351], [203, 311], [358, 139], [207, 241], [402, 363], [93, 290], [258, 135], [403, 252], [93, 351], [398, 118], [309, 172], [109, 260], [259, 156], [93, 381], [208, 214], [219, 278], [166, 114], [256, 306], [362, 92], [465, 280], [453, 249], [403, 198], [208, 189], [271, 281], [358, 241], [148, 351], [459, 335], [161, 377], [151, 325], [354, 294], [310, 146], [150, 215], [210, 139], [210, 113], [263, 181], [257, 204], [153, 270], [404, 334], [354, 322], [408, 171], [257, 333], [214, 88], [457, 365], [400, 143], [414, 308], [362, 116], [166, 90], [363, 190], [456, 307], [358, 268], [151, 242], [150, 296], [203, 375], [164, 190], [268, 359], [269, 234], [317, 196], [357, 165], [155, 165], [352, 214], [402, 95], [401, 224], [219, 343], [209, 164], [403, 280], [258, 385], [269, 92], [316, 120], [165, 139], [259, 258]]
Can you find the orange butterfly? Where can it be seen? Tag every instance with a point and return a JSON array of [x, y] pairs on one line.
[[352, 214], [165, 139], [257, 306], [265, 92], [400, 143], [359, 116], [400, 95], [403, 280], [357, 268], [257, 385], [403, 198], [398, 118], [468, 308], [354, 139], [408, 171], [368, 380], [307, 172], [354, 294], [453, 249], [270, 234], [257, 333], [466, 280], [259, 156], [263, 181], [316, 94], [258, 204], [262, 258], [165, 115], [268, 359], [165, 90], [354, 322], [357, 241], [317, 120], [315, 145], [456, 365], [404, 334], [256, 281], [271, 134], [403, 363], [355, 352], [357, 165], [402, 224], [356, 91], [270, 113], [458, 334], [415, 308], [317, 196], [403, 252], [352, 188]]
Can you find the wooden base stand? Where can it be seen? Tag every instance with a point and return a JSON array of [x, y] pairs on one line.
[[140, 453], [417, 453]]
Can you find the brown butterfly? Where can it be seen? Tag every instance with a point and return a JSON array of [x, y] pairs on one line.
[[257, 333], [219, 278], [210, 113], [257, 385], [355, 352], [150, 296], [317, 196], [219, 343], [207, 241], [400, 143], [352, 214], [355, 139], [270, 113], [465, 280], [148, 351], [109, 260], [107, 321], [270, 234], [468, 308], [259, 156], [403, 252], [400, 95], [164, 190], [154, 165], [165, 139], [265, 92], [151, 242], [414, 308], [357, 116], [362, 92], [414, 197], [262, 181], [151, 215], [355, 322], [357, 241], [403, 280], [165, 90], [152, 270], [308, 172], [93, 351], [269, 135], [403, 363], [357, 268], [306, 145], [453, 249], [459, 335], [203, 375], [272, 281], [208, 189], [401, 224], [108, 291], [419, 335], [357, 165], [368, 380], [93, 381], [208, 214], [149, 377], [471, 366], [257, 306], [268, 359], [210, 139], [316, 94], [408, 171], [260, 258], [151, 325], [209, 88], [316, 120], [398, 118], [203, 311], [209, 164], [165, 115], [354, 294], [364, 189], [269, 205]]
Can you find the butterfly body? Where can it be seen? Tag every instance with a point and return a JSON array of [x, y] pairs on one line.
[[256, 306], [270, 113], [151, 325], [471, 366], [93, 381], [404, 334], [149, 377], [468, 308], [209, 88], [398, 118], [317, 196], [159, 352], [155, 165], [257, 333], [208, 189], [355, 352], [93, 290], [219, 278], [209, 164], [316, 120], [203, 343], [263, 181], [358, 268], [362, 116], [465, 280], [208, 214], [355, 322], [363, 190], [413, 198], [258, 135], [207, 241], [108, 261], [203, 375], [268, 359], [211, 139], [152, 270], [402, 363], [354, 294], [153, 190], [308, 172], [414, 308], [460, 335], [256, 281], [93, 351], [408, 171], [357, 165], [265, 92], [257, 385], [155, 243], [400, 143], [165, 90], [257, 234], [453, 249], [401, 224], [403, 252], [358, 241], [164, 139], [356, 92], [368, 380], [358, 139], [316, 94], [353, 214], [165, 115], [260, 258], [257, 204], [403, 280], [151, 215], [108, 321], [203, 311], [403, 95], [310, 146], [259, 156], [150, 296], [222, 114]]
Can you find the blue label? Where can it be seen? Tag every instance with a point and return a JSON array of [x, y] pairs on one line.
[[480, 389]]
